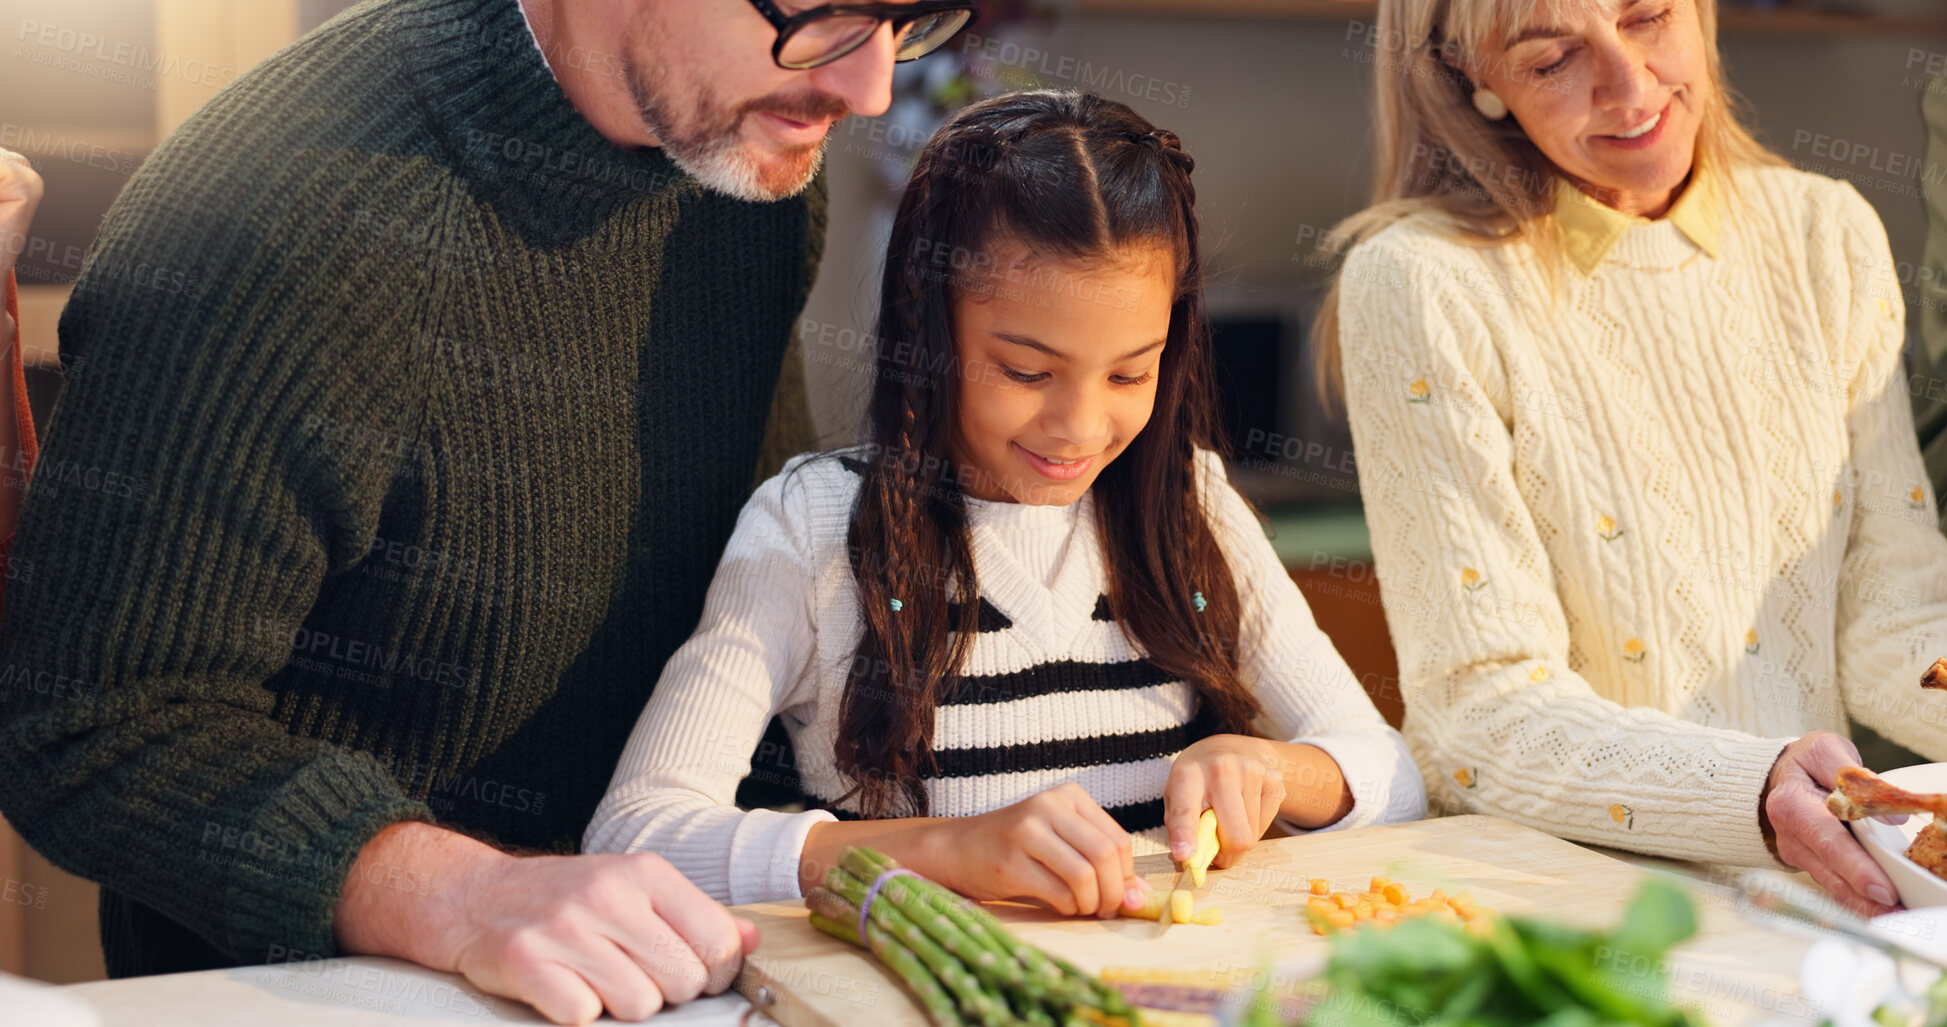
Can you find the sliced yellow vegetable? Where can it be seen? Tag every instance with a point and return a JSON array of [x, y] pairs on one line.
[[1153, 906], [1181, 905], [1156, 903], [1199, 861]]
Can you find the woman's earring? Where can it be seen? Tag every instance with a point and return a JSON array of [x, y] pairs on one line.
[[1489, 104]]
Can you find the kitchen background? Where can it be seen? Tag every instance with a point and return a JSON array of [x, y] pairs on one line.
[[1271, 96]]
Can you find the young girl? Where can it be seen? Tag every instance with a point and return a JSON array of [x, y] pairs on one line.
[[1028, 629]]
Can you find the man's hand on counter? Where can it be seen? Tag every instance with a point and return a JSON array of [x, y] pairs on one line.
[[569, 935]]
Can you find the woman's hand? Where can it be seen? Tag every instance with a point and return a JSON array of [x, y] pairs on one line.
[[1057, 848], [1810, 837], [1240, 777]]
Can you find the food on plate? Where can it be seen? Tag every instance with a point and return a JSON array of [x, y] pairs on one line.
[[1860, 793], [961, 964], [1388, 902], [1929, 849]]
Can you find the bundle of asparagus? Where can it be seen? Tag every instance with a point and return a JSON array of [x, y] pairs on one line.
[[962, 965]]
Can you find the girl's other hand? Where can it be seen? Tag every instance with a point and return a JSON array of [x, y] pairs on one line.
[[1057, 847]]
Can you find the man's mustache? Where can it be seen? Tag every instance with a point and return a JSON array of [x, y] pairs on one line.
[[810, 109]]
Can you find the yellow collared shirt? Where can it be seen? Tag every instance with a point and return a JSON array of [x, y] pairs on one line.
[[1590, 229]]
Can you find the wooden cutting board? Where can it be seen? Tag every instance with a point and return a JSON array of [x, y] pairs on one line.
[[1734, 972]]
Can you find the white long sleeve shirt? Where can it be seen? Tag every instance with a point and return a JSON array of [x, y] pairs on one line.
[[1053, 691]]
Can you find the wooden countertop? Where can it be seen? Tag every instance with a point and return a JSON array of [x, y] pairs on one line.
[[1506, 866]]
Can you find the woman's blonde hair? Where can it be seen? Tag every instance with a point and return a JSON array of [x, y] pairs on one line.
[[1483, 180]]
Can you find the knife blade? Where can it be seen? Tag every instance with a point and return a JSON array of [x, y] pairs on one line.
[[1190, 872], [1183, 881]]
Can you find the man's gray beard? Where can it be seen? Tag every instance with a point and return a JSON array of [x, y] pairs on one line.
[[715, 159]]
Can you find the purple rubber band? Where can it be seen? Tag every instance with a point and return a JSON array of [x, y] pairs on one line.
[[871, 893]]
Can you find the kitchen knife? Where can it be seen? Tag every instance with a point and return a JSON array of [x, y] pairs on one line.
[[1190, 872]]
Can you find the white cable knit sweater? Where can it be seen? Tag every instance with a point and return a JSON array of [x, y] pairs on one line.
[[1631, 544], [1055, 690]]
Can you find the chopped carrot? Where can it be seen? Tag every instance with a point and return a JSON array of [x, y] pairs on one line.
[[1389, 902]]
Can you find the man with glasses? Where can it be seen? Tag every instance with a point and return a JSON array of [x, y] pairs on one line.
[[743, 123], [425, 371]]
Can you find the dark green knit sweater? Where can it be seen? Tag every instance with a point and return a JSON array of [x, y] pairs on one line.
[[410, 419]]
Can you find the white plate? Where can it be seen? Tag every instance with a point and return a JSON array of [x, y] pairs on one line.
[[1846, 982], [1887, 844]]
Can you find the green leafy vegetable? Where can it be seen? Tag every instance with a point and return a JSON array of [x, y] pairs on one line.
[[1523, 971]]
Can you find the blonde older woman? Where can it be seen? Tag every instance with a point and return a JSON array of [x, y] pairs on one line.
[[1645, 497]]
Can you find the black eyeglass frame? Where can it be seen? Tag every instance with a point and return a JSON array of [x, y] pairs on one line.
[[899, 15]]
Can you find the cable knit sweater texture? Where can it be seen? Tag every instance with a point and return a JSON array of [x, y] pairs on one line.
[[1059, 694], [1633, 541], [413, 416]]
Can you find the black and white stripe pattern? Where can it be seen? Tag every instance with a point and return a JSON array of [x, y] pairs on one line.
[[1053, 691]]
